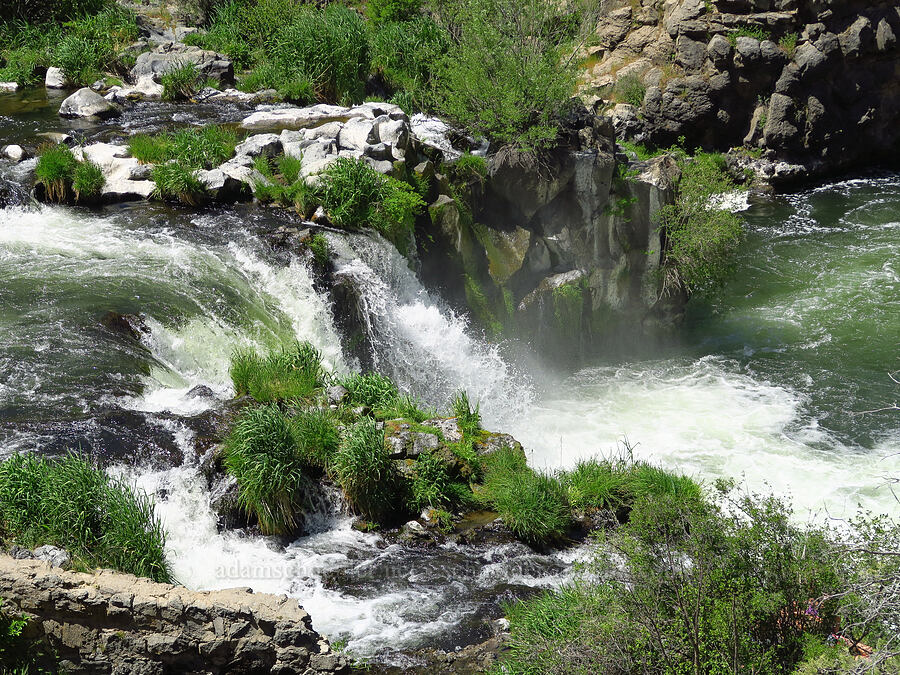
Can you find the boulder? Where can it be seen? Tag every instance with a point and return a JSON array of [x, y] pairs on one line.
[[57, 557], [9, 86], [689, 53], [172, 55], [267, 145], [884, 36], [719, 50], [55, 78], [357, 134], [88, 103], [14, 152], [808, 58], [748, 52], [858, 39], [780, 126], [222, 186]]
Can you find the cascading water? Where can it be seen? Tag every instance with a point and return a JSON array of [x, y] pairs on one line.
[[418, 341]]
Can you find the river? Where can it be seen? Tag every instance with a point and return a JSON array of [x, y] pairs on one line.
[[767, 382]]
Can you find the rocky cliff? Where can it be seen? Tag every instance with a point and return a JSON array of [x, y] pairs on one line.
[[804, 86], [110, 622]]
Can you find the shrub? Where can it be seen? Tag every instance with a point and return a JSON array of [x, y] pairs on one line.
[[176, 181], [87, 181], [293, 373], [355, 195], [366, 474], [701, 239], [180, 83], [505, 75], [380, 11], [629, 89], [72, 504], [54, 170], [262, 455], [531, 504]]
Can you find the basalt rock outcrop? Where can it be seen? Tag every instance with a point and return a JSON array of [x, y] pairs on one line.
[[806, 86], [113, 623]]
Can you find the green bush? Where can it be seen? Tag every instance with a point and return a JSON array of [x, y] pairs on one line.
[[532, 505], [293, 373], [68, 502], [630, 89], [367, 475], [261, 453], [382, 11], [178, 182], [55, 170], [507, 75], [355, 195], [302, 50], [701, 239], [180, 83], [87, 181], [690, 586]]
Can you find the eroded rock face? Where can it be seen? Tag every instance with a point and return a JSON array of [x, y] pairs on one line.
[[110, 622], [171, 55], [825, 72]]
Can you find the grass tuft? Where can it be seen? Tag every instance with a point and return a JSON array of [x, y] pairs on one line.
[[180, 83], [293, 373], [70, 503], [195, 147], [262, 454], [54, 170], [366, 474], [87, 181], [178, 182], [469, 419]]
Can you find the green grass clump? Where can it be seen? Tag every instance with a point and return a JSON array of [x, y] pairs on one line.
[[284, 184], [470, 167], [316, 436], [87, 181], [321, 251], [180, 83], [431, 485], [70, 503], [178, 182], [788, 44], [597, 484], [380, 394], [54, 170], [365, 472], [291, 373], [469, 418], [755, 32], [533, 505], [629, 89], [195, 147], [262, 454]]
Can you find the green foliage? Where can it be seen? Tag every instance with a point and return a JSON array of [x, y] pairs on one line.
[[788, 44], [316, 436], [688, 586], [383, 11], [630, 89], [755, 32], [468, 418], [286, 186], [55, 170], [373, 390], [321, 251], [87, 181], [70, 503], [180, 83], [701, 238], [470, 167], [568, 308], [641, 152], [531, 504], [304, 52], [19, 654], [263, 456], [355, 195], [293, 373], [194, 147], [178, 182], [92, 43], [366, 474], [407, 55], [431, 485], [37, 11], [506, 75]]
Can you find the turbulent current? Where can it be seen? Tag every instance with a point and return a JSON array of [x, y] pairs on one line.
[[770, 381]]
